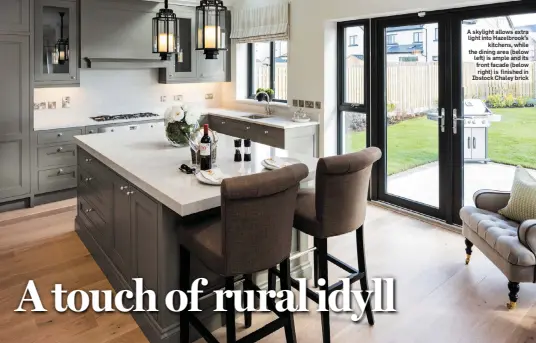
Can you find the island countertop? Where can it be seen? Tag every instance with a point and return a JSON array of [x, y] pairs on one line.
[[148, 161]]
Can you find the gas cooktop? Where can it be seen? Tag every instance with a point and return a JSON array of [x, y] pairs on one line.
[[124, 116]]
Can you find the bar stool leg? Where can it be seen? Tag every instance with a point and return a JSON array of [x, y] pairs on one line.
[[323, 274], [247, 314], [271, 280], [363, 268], [230, 314], [184, 285], [315, 263], [290, 331]]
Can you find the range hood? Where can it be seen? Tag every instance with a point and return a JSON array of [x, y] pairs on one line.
[[123, 63], [117, 34]]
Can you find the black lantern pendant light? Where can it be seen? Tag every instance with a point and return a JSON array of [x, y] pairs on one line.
[[62, 45], [210, 28], [165, 33]]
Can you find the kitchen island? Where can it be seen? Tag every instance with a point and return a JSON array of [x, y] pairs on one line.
[[131, 199]]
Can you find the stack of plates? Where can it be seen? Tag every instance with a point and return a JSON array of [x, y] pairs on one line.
[[278, 162]]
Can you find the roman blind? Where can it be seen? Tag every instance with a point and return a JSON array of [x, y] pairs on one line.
[[260, 24]]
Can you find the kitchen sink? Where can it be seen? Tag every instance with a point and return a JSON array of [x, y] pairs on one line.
[[257, 116]]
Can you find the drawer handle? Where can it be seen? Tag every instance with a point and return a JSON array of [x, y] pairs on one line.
[[91, 131], [130, 193], [122, 188], [265, 132], [88, 160], [88, 210], [62, 173], [223, 122], [88, 179], [60, 134]]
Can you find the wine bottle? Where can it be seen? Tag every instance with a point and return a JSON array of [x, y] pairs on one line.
[[205, 150]]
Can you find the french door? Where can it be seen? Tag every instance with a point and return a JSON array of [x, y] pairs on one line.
[[450, 104], [411, 101]]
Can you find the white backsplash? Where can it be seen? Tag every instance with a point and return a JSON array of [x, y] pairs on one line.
[[123, 91]]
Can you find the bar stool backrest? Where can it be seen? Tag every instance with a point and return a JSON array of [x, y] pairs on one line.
[[342, 184], [257, 215]]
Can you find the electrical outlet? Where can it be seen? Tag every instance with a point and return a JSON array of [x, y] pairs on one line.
[[42, 105], [177, 98], [51, 105], [36, 105], [163, 98], [318, 105], [295, 103], [209, 96], [309, 104], [301, 103], [66, 102]]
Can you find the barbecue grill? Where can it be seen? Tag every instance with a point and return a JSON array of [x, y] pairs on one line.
[[477, 118]]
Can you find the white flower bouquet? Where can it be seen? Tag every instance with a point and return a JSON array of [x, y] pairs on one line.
[[180, 123]]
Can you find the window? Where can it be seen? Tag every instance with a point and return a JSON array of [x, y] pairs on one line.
[[436, 36], [417, 37], [267, 68], [352, 41], [391, 39]]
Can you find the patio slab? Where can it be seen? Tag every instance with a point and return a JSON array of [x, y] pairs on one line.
[[422, 183]]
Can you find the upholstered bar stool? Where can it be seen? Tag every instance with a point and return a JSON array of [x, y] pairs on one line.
[[252, 234], [336, 207]]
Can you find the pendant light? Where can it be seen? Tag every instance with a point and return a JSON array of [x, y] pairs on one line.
[[62, 45], [165, 33], [210, 28]]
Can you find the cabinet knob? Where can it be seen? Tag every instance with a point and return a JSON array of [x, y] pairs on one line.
[[90, 131], [122, 188], [170, 75], [60, 134], [88, 210], [60, 171], [88, 160], [223, 122], [60, 149], [247, 127], [73, 77], [130, 193], [88, 179]]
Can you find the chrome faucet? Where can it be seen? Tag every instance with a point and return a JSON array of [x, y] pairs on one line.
[[268, 108]]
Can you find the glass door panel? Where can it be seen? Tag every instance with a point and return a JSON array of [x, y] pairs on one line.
[[411, 112], [498, 99]]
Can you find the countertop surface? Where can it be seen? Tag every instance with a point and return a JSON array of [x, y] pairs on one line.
[[61, 121], [274, 121], [148, 161], [44, 122]]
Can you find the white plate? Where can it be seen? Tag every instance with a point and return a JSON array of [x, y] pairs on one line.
[[301, 120], [285, 159], [204, 180]]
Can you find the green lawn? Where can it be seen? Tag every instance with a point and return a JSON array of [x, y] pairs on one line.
[[414, 142]]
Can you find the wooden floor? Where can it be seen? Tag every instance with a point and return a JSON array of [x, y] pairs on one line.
[[439, 299]]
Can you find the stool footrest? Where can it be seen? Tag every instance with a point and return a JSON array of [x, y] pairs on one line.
[[203, 331], [353, 278], [341, 264], [266, 330]]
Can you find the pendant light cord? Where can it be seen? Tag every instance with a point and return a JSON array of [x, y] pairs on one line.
[[61, 25], [166, 4]]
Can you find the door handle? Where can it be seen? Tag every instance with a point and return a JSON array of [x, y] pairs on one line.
[[442, 119], [468, 142], [474, 143], [455, 120]]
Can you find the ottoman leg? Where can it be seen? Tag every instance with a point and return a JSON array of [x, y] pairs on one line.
[[468, 251], [513, 294]]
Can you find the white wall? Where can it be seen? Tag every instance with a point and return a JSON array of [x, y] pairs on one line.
[[123, 91], [312, 48]]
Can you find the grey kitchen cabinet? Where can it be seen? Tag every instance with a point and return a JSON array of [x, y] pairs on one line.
[[122, 238], [14, 116], [15, 16], [48, 70]]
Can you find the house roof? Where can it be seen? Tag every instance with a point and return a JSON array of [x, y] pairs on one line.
[[404, 28], [404, 48]]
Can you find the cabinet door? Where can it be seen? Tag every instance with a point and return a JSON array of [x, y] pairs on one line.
[[144, 228], [14, 16], [467, 143], [478, 143], [14, 116], [211, 70], [121, 240], [49, 70]]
